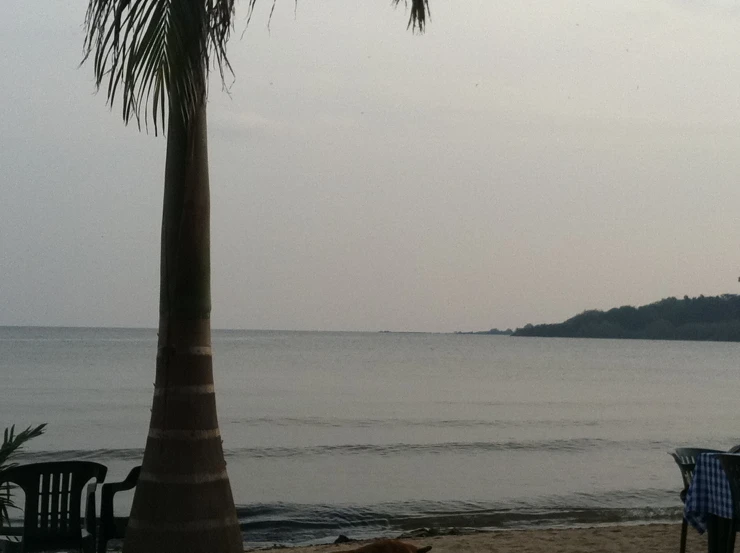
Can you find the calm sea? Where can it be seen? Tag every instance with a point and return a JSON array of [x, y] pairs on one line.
[[367, 434]]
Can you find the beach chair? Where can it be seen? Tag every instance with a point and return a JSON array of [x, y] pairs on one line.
[[112, 527], [685, 458], [52, 518]]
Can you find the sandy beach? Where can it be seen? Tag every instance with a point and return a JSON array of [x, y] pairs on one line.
[[654, 538]]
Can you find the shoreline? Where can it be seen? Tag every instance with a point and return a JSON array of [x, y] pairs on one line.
[[623, 538]]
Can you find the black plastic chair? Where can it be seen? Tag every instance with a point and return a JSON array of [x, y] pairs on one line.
[[731, 466], [53, 498], [113, 527], [685, 458]]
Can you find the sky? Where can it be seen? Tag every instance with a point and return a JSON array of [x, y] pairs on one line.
[[518, 163]]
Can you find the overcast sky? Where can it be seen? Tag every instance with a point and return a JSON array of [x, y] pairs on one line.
[[520, 162]]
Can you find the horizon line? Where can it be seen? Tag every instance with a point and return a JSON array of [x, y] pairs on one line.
[[113, 327]]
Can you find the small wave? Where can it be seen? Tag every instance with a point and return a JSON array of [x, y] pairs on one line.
[[400, 423], [297, 523], [82, 455], [573, 445]]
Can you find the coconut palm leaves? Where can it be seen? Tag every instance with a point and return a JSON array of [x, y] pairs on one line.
[[418, 15], [156, 54], [13, 442]]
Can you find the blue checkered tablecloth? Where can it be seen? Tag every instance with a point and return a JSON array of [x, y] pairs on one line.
[[709, 492]]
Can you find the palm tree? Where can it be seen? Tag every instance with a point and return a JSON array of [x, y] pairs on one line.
[[156, 55]]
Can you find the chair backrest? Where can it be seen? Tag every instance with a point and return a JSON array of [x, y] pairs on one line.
[[53, 497], [731, 466], [685, 458]]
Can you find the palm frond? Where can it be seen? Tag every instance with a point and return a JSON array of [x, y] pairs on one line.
[[156, 54], [12, 442], [6, 502], [419, 14], [417, 18]]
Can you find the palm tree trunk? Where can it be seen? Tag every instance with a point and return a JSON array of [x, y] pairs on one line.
[[183, 501]]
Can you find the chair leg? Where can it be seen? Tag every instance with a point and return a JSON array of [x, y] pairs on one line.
[[11, 546], [88, 545], [684, 527]]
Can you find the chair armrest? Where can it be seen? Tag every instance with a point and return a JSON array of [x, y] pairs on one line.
[[110, 489], [90, 509], [128, 483]]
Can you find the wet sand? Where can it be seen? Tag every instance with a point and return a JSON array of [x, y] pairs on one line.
[[654, 538]]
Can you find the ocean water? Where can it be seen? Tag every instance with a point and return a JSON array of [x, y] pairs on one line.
[[370, 434]]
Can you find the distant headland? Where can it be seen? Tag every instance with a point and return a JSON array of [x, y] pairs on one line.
[[714, 318], [494, 331]]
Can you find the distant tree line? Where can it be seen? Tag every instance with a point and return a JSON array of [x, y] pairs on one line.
[[494, 331], [715, 318]]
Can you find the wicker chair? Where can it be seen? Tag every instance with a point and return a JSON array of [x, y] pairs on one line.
[[685, 458]]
